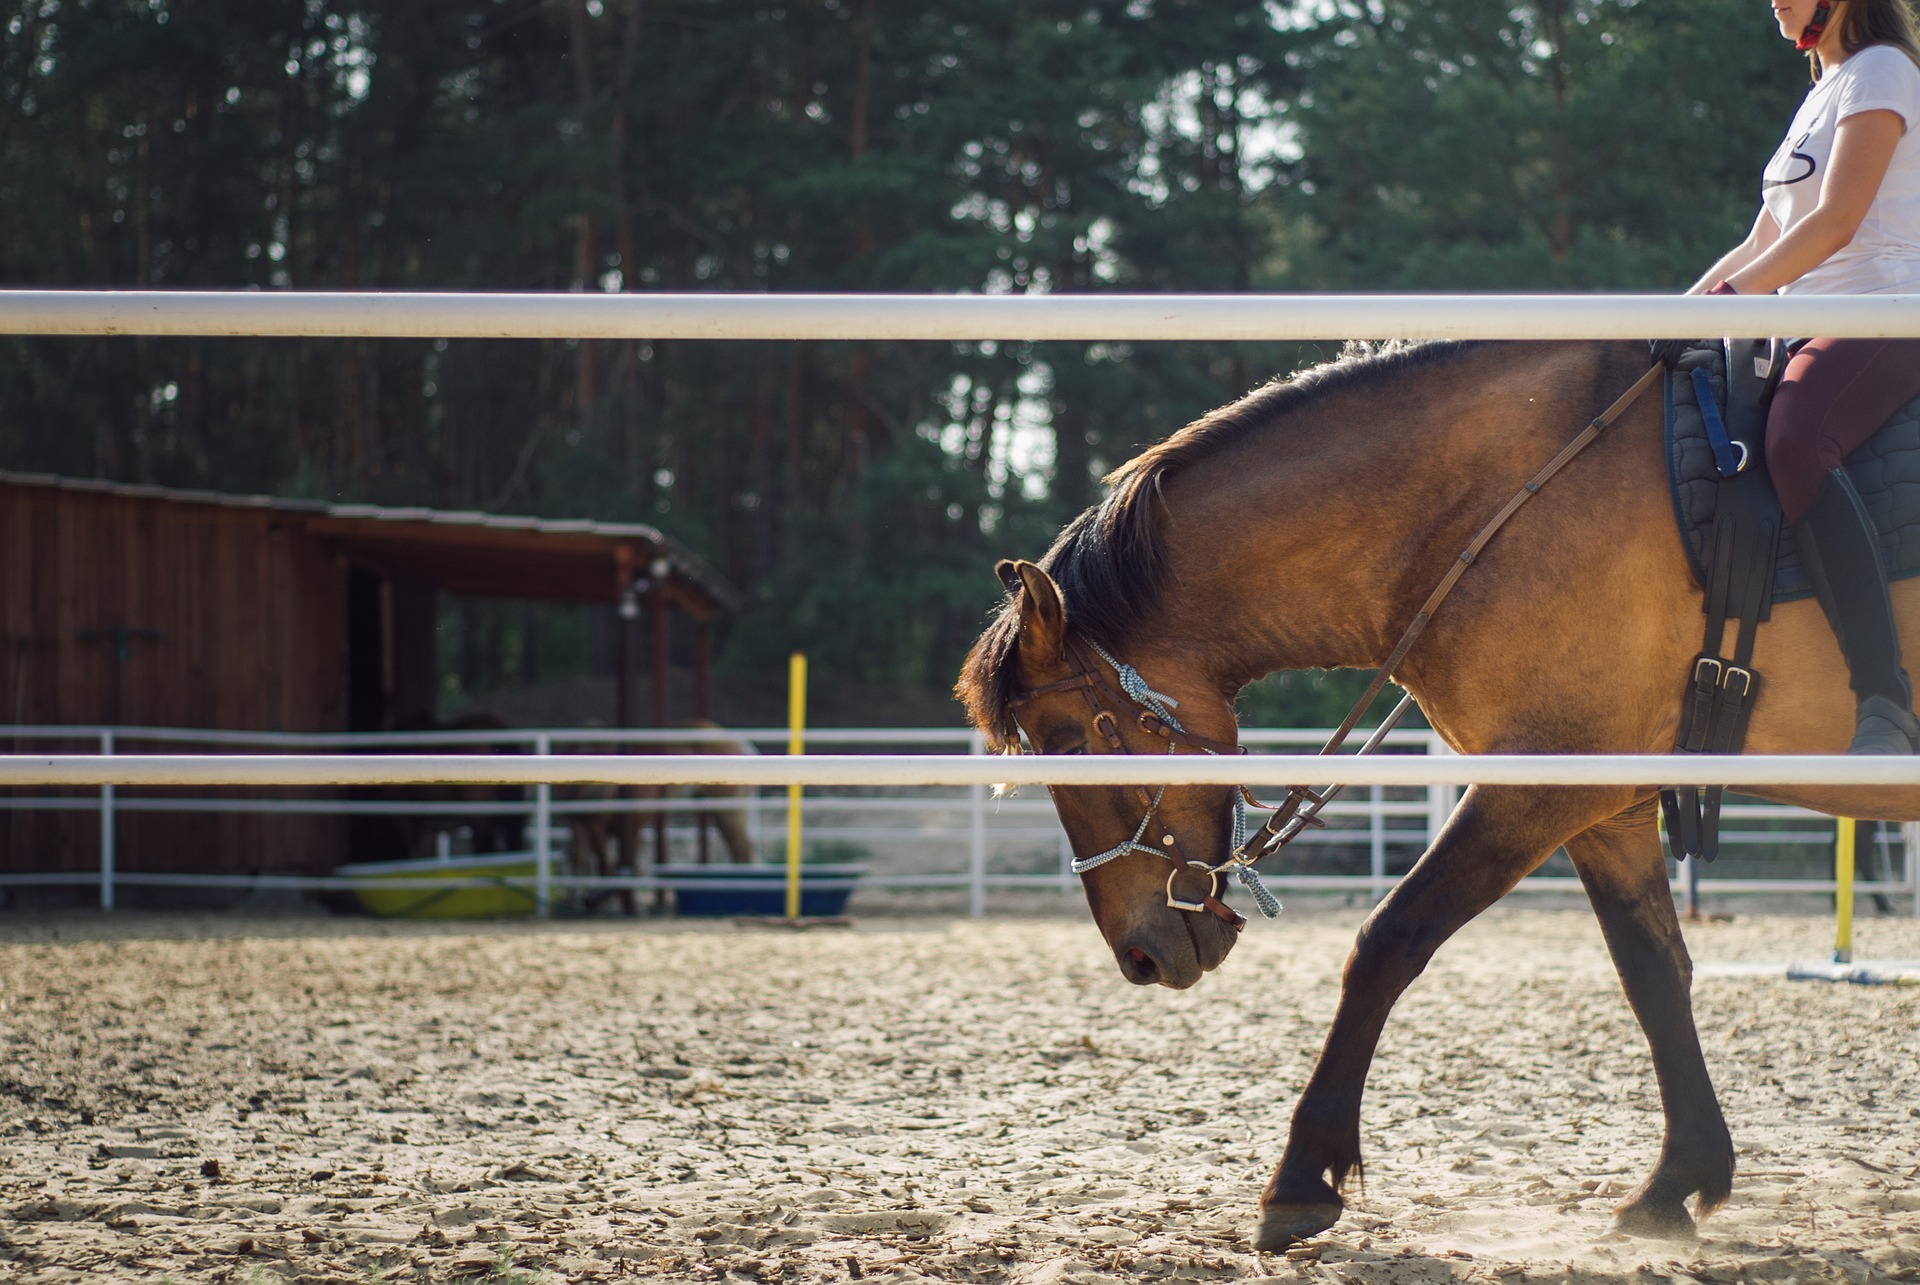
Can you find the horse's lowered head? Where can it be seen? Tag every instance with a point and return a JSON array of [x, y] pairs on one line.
[[1033, 673]]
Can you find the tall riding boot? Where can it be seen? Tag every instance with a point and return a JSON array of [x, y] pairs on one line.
[[1841, 553]]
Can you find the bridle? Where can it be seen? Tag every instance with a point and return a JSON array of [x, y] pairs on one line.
[[1156, 718], [1301, 807]]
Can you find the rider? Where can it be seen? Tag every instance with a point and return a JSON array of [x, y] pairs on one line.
[[1840, 214]]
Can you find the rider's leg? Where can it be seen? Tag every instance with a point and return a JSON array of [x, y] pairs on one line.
[[1835, 393]]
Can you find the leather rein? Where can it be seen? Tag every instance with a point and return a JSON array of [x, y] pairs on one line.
[[1301, 807]]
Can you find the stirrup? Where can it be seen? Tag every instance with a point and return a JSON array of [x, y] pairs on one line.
[[1881, 726]]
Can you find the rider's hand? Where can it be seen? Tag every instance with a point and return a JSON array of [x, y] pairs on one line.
[[1666, 352]]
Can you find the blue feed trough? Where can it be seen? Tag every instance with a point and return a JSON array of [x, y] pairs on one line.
[[721, 891]]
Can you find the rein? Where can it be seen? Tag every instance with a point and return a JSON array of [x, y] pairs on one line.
[[1303, 804]]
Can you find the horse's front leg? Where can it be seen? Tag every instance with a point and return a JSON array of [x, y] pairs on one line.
[[1625, 875], [1493, 840]]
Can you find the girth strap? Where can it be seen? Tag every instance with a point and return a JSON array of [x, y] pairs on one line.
[[1746, 537]]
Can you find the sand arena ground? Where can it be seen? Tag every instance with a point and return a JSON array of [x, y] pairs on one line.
[[266, 1100]]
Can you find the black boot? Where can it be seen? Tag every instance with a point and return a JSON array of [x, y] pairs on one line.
[[1841, 554]]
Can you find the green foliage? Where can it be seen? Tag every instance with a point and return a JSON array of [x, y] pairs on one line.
[[1569, 144], [858, 492], [836, 852], [1316, 698]]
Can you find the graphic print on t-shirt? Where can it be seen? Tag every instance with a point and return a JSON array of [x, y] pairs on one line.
[[1884, 255], [1791, 166]]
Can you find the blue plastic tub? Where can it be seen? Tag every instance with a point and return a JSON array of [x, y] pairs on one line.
[[721, 891]]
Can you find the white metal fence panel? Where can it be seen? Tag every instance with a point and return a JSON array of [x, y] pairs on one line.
[[955, 838]]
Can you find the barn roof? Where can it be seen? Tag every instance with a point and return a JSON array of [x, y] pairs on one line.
[[466, 552]]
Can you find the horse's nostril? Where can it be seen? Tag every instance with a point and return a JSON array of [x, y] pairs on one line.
[[1138, 966]]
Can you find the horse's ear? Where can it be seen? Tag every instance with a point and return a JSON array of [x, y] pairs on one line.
[[1043, 617], [1009, 573]]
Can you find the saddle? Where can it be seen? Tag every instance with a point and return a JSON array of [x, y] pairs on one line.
[[1741, 549], [1885, 470]]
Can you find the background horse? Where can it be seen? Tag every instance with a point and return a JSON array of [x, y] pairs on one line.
[[1301, 527], [398, 836], [606, 841]]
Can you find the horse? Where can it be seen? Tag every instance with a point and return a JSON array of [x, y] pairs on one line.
[[414, 835], [594, 851], [1302, 526]]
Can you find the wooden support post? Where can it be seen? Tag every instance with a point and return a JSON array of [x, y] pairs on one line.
[[657, 603], [626, 826], [703, 707], [626, 611], [702, 669]]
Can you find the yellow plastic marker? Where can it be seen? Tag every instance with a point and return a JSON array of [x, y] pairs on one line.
[[796, 744], [1843, 892]]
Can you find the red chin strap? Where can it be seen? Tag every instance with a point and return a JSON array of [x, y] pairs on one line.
[[1811, 36]]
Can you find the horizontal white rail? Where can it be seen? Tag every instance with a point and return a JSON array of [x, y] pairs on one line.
[[529, 736], [951, 769], [438, 315], [1316, 883]]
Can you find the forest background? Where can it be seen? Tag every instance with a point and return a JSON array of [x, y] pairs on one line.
[[857, 492]]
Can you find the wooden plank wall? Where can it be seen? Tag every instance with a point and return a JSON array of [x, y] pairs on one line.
[[161, 613]]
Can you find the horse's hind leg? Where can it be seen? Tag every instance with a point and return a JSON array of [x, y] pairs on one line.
[[1626, 880], [732, 824], [1493, 840]]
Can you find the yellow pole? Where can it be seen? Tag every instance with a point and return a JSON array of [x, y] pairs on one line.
[[796, 744], [1843, 892]]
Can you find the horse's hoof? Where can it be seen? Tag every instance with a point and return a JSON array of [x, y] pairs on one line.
[[1282, 1226], [1655, 1222]]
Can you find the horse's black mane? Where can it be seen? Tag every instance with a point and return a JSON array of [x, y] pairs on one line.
[[1110, 562]]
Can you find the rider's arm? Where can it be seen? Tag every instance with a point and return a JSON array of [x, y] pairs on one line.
[[1765, 233], [1862, 149]]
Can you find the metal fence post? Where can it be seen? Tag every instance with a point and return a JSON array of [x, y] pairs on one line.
[[1439, 797], [1910, 838], [106, 831], [976, 838], [1376, 842], [543, 836]]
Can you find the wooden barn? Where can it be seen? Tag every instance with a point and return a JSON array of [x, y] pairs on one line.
[[135, 606]]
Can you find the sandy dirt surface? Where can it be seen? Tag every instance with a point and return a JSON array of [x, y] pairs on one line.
[[266, 1100]]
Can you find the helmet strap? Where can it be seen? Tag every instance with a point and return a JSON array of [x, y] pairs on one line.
[[1815, 29]]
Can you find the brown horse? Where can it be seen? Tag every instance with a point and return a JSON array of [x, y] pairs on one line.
[[1302, 526], [594, 832]]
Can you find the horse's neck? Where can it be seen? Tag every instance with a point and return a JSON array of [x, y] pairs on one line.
[[1312, 543]]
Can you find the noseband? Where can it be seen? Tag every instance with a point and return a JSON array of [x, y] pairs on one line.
[[1156, 717]]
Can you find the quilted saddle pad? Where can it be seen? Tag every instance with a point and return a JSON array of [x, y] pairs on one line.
[[1886, 471]]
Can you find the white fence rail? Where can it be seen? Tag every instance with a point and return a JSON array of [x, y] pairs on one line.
[[929, 317], [1757, 770], [913, 838], [342, 314]]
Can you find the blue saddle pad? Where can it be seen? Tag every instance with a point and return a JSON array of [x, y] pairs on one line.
[[1886, 471]]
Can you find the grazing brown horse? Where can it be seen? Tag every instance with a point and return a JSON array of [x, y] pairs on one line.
[[594, 850], [391, 837], [1302, 526]]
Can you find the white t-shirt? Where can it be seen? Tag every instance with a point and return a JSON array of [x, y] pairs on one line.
[[1884, 255]]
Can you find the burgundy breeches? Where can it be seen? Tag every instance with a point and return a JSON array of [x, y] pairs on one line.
[[1834, 394]]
